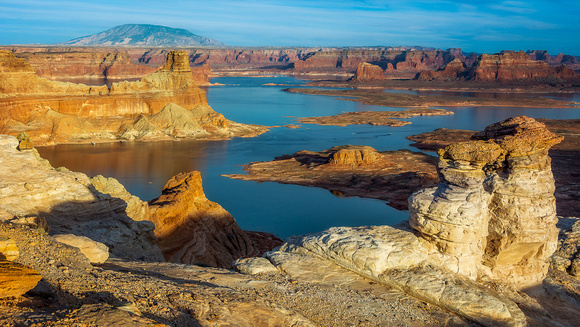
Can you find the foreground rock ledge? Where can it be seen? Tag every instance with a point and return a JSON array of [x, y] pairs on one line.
[[492, 218]]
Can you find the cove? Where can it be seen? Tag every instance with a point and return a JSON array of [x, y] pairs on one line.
[[280, 209]]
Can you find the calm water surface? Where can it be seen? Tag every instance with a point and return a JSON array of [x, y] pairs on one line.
[[277, 208]]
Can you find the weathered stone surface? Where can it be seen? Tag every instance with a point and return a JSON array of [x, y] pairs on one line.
[[191, 229], [255, 265], [124, 201], [16, 279], [395, 258], [96, 252], [368, 72], [494, 212], [24, 142], [69, 203], [85, 65], [452, 70], [8, 249], [369, 250]]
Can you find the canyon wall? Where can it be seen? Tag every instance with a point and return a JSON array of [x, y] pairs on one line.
[[507, 66], [56, 112]]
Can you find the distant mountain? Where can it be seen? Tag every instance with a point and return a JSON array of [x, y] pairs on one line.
[[144, 35]]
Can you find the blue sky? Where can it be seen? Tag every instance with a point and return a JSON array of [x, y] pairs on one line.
[[481, 26]]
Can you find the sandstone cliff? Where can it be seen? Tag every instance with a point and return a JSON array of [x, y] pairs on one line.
[[57, 112], [513, 66], [507, 66], [191, 229]]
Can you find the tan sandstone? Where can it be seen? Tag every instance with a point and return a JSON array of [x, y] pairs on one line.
[[191, 229]]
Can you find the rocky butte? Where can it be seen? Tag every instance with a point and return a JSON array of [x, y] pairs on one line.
[[164, 105]]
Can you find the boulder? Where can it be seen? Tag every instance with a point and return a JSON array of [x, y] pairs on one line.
[[191, 229], [96, 252], [254, 266], [16, 279]]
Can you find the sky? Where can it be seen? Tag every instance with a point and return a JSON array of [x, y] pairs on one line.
[[479, 26]]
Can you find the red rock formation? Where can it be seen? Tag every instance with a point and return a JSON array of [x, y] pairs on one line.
[[366, 72], [513, 66], [453, 70], [191, 229]]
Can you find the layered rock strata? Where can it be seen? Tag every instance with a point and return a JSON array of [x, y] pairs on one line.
[[493, 214], [366, 72], [59, 112], [191, 229]]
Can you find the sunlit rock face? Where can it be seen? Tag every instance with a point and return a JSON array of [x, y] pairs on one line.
[[493, 214], [193, 230], [366, 72], [53, 112]]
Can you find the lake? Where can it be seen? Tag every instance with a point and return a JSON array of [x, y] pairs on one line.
[[283, 210]]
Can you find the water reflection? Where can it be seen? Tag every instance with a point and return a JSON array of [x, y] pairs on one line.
[[277, 208]]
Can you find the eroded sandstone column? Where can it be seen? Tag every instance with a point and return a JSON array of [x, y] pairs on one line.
[[522, 227], [494, 213], [454, 215]]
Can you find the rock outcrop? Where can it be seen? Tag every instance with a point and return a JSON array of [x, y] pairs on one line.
[[494, 214], [191, 229], [66, 202], [514, 66], [366, 72], [59, 112]]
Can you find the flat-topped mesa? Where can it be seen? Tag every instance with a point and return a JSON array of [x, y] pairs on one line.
[[493, 214], [353, 155], [366, 72]]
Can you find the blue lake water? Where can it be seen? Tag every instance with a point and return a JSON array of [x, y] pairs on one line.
[[281, 209]]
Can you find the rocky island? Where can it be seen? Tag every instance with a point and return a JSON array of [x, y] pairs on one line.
[[350, 170], [477, 249]]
